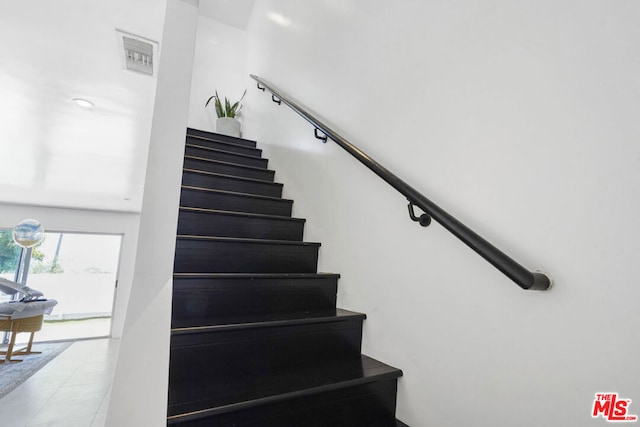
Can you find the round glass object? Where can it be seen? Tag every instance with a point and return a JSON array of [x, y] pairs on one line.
[[28, 233]]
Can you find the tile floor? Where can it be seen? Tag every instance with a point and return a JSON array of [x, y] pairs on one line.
[[70, 391]]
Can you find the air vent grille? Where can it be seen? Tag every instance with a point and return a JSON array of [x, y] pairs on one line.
[[138, 53]]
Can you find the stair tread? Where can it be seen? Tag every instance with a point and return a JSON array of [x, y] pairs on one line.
[[223, 151], [204, 159], [268, 320], [239, 178], [243, 214], [214, 134], [255, 275], [247, 240], [230, 144], [207, 397], [236, 193]]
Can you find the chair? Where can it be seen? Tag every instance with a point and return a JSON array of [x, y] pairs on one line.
[[15, 326]]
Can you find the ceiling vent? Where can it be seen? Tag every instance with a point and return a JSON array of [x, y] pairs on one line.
[[139, 54]]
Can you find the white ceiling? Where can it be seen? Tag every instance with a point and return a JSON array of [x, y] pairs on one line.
[[52, 152], [231, 12]]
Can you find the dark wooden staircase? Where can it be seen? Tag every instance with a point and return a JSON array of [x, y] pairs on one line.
[[256, 337]]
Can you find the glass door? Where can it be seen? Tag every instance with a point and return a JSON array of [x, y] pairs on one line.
[[80, 272]]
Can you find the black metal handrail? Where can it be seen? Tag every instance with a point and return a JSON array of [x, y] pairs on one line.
[[516, 272]]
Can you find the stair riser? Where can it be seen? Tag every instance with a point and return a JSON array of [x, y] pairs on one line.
[[221, 225], [256, 162], [219, 137], [234, 203], [228, 169], [221, 355], [230, 184], [367, 405], [234, 148], [204, 301], [198, 256]]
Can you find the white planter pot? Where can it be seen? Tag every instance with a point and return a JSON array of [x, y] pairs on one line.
[[228, 126]]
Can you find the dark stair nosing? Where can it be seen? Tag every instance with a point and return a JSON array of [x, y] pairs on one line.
[[204, 300], [220, 137], [226, 156], [400, 424], [236, 193], [377, 372], [243, 214], [231, 363], [234, 177], [231, 223], [370, 404], [256, 275], [235, 255], [227, 182], [204, 159], [202, 147], [227, 143], [207, 198], [246, 240], [216, 166], [338, 315]]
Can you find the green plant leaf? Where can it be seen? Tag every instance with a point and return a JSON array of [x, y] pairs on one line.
[[227, 107], [218, 104], [228, 110]]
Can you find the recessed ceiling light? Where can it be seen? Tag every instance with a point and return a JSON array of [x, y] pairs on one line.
[[279, 19], [83, 103]]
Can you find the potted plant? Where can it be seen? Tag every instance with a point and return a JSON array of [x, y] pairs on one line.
[[227, 124]]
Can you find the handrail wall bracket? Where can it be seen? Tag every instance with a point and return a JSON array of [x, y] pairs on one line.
[[322, 138], [424, 219]]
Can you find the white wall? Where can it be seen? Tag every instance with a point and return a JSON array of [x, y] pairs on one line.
[[219, 64], [520, 118], [88, 221], [139, 392]]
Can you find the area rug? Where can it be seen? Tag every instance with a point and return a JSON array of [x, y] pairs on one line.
[[14, 374]]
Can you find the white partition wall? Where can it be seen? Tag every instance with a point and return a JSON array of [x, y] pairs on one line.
[[139, 394]]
